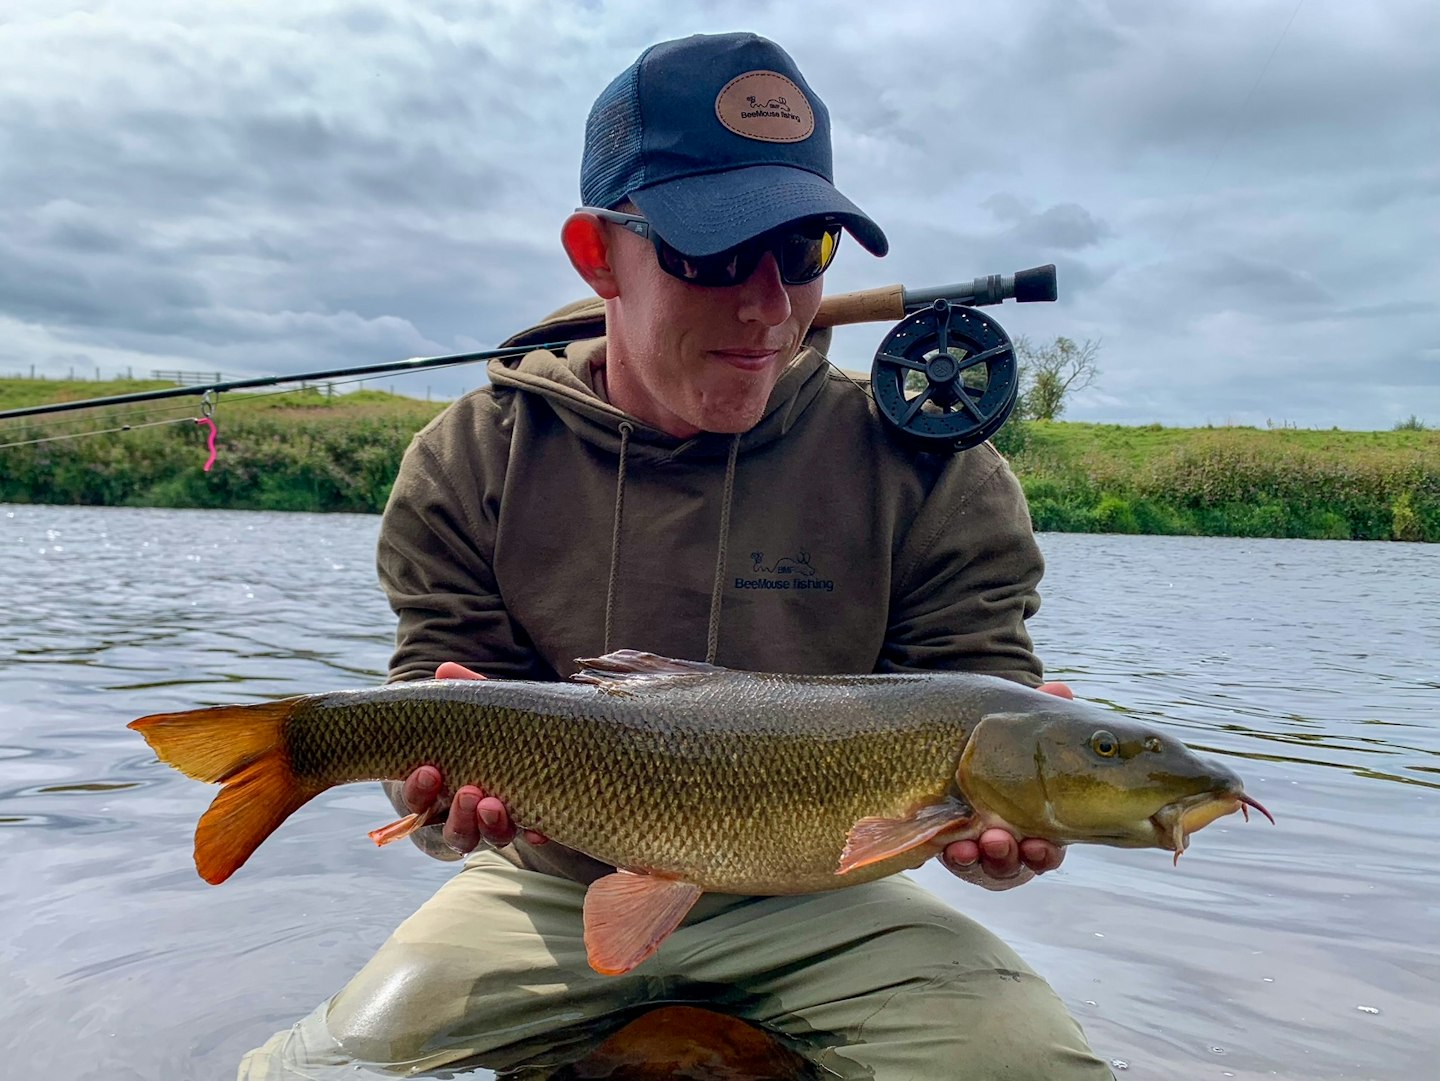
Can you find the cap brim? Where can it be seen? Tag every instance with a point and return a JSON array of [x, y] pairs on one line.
[[705, 214]]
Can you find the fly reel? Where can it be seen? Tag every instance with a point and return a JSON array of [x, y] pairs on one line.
[[946, 377]]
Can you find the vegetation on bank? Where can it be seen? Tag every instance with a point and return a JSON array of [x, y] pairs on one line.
[[307, 451], [1235, 482], [297, 451]]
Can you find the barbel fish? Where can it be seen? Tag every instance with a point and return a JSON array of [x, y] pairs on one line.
[[689, 777]]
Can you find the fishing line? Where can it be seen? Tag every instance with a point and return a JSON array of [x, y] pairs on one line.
[[82, 426], [1234, 122], [411, 365], [172, 414], [101, 431], [183, 412]]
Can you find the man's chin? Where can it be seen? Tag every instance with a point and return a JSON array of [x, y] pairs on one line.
[[731, 414], [731, 425]]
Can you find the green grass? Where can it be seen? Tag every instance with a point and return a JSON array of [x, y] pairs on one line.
[[19, 393], [306, 450], [1232, 481], [300, 450]]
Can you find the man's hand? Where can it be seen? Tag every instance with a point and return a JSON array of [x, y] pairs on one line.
[[473, 816], [996, 860]]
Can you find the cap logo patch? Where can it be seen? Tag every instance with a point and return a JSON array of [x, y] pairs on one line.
[[767, 106]]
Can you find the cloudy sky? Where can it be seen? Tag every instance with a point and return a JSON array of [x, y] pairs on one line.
[[1242, 196]]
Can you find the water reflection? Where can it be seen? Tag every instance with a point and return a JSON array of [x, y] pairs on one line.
[[1311, 665]]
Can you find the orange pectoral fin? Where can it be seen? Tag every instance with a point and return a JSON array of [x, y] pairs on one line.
[[874, 839], [627, 916], [394, 831]]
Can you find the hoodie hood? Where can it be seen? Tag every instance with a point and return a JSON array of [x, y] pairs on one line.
[[566, 380]]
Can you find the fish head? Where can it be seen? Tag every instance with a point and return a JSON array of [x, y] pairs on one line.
[[1069, 772]]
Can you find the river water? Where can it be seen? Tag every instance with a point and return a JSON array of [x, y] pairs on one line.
[[1306, 950]]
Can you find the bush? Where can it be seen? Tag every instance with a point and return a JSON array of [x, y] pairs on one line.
[[1013, 436], [1113, 515], [267, 461], [1152, 518], [1414, 517]]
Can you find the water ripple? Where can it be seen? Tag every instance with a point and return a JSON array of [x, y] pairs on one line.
[[1310, 665]]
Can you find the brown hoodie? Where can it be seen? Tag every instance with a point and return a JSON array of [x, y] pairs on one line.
[[532, 523]]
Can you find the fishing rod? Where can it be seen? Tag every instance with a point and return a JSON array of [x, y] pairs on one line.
[[199, 390], [964, 399]]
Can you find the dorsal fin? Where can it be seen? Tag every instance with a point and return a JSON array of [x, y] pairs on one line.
[[614, 670]]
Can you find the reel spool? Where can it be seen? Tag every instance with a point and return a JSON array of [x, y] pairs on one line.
[[946, 377]]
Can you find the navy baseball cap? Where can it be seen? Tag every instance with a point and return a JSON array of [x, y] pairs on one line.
[[716, 138]]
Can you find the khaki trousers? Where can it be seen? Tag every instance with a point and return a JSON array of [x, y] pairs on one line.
[[881, 981]]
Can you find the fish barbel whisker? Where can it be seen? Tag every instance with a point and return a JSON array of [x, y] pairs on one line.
[[1246, 801]]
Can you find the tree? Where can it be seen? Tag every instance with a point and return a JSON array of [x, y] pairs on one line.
[[1050, 373]]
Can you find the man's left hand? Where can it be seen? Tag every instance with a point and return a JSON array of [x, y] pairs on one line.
[[996, 860]]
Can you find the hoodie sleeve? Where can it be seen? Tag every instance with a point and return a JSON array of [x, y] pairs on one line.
[[967, 577], [434, 562]]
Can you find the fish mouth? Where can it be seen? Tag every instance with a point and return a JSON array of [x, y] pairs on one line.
[[1176, 821]]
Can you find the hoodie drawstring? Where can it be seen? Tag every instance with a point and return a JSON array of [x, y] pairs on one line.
[[626, 428], [712, 636]]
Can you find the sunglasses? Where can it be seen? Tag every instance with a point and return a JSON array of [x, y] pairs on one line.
[[803, 250]]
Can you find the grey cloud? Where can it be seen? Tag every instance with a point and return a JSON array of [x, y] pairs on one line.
[[1238, 281], [70, 226], [1067, 226], [279, 186], [366, 20], [1389, 309]]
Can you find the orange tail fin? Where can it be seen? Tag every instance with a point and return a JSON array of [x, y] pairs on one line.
[[243, 748]]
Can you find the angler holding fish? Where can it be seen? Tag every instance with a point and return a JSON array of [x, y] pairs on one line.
[[642, 830]]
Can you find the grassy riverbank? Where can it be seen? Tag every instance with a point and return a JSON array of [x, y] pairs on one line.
[[307, 451], [1239, 482], [301, 450]]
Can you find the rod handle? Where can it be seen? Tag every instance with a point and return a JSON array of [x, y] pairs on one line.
[[886, 304]]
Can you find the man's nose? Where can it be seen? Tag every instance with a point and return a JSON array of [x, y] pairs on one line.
[[764, 298]]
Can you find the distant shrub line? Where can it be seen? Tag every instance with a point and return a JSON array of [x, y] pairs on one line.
[[1230, 483], [1077, 477], [270, 461]]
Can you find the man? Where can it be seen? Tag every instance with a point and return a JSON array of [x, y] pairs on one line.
[[696, 483]]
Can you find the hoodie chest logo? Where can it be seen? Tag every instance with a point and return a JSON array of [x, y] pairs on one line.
[[793, 572]]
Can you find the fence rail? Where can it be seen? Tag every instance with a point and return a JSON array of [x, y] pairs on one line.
[[189, 379]]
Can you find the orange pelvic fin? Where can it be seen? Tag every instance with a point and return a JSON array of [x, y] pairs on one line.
[[394, 831], [874, 839], [243, 748], [627, 916]]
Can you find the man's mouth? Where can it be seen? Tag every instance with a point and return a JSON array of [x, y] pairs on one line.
[[750, 360]]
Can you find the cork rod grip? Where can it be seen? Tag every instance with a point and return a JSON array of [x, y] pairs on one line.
[[886, 304]]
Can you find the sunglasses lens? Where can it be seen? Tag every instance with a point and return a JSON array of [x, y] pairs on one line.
[[807, 253], [803, 255], [726, 268]]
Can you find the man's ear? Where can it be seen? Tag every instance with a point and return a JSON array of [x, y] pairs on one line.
[[583, 237]]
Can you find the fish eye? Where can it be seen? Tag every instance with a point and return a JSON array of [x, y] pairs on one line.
[[1104, 744]]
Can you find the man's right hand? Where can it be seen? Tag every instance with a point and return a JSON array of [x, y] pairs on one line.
[[473, 816]]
